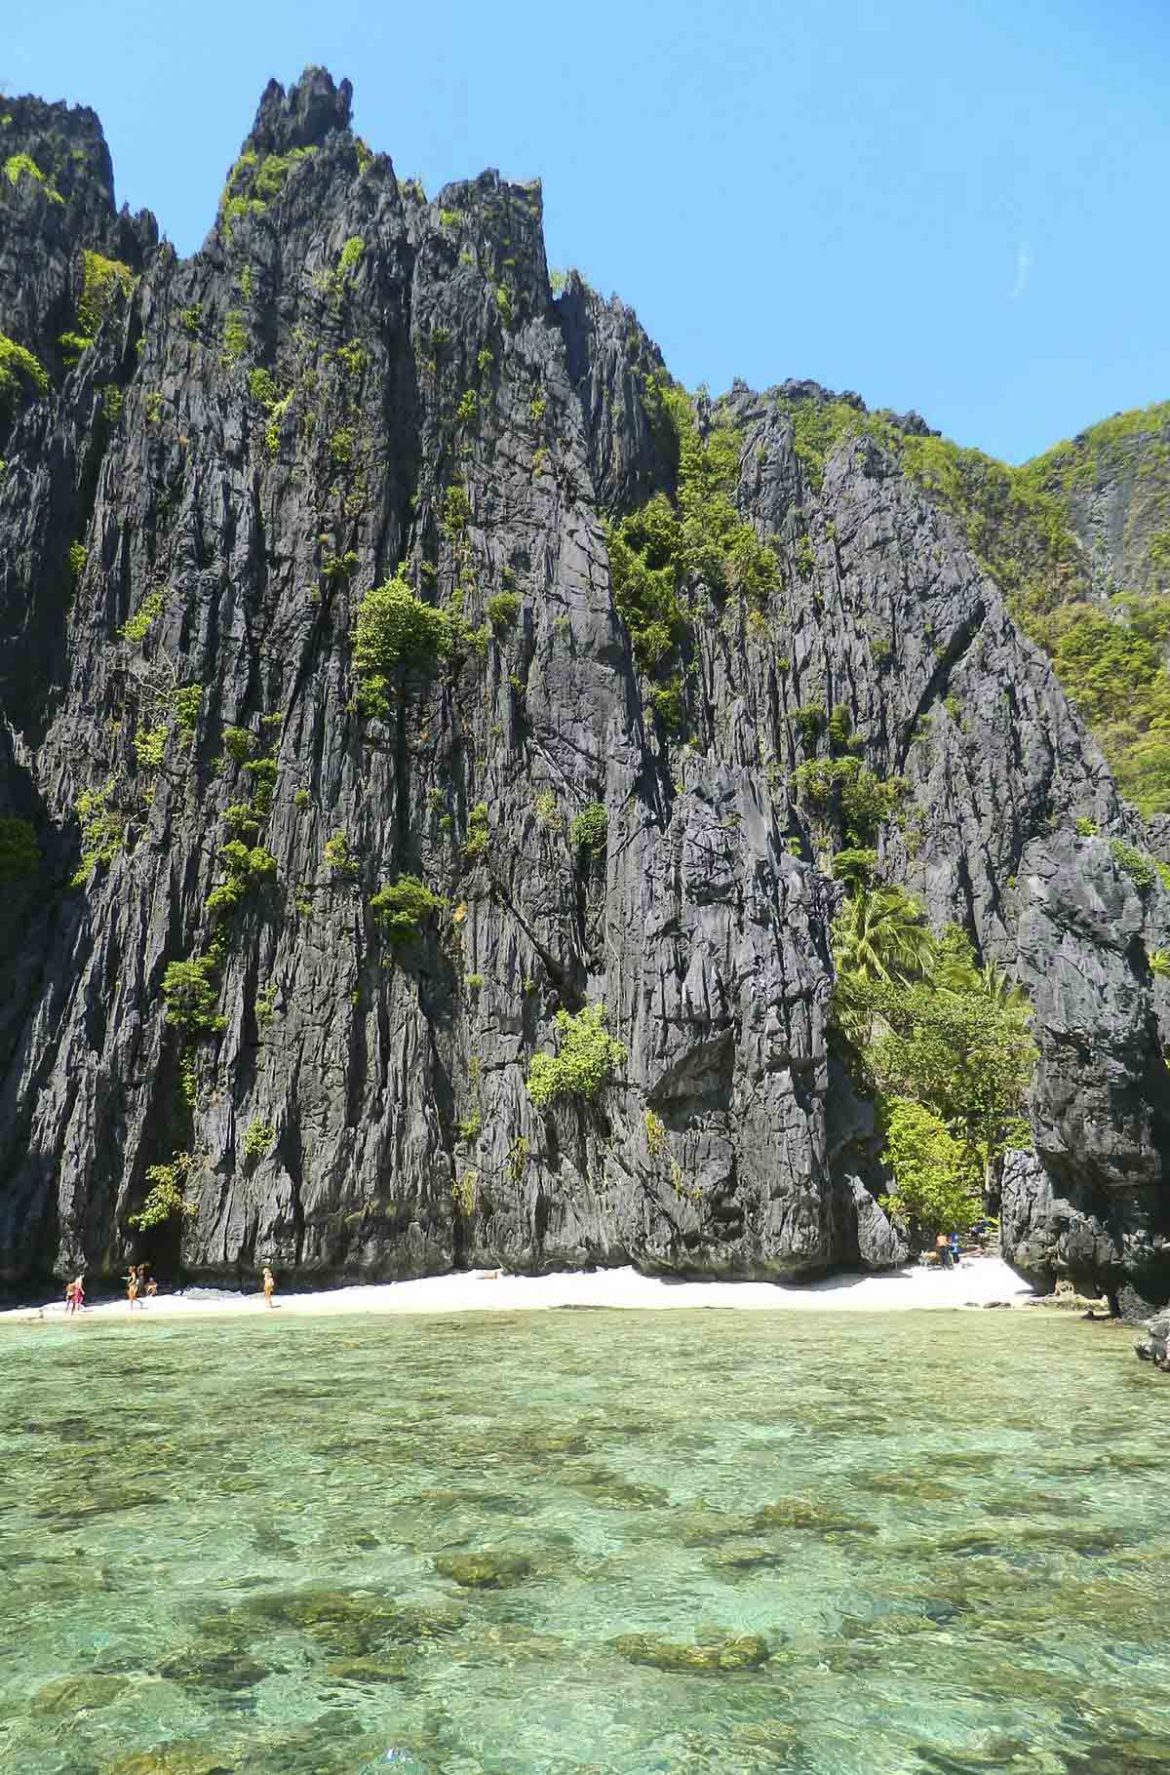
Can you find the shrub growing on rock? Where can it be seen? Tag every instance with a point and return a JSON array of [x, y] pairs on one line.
[[258, 1138], [103, 280], [502, 610], [590, 829], [165, 1197], [394, 628], [20, 372], [585, 1062], [843, 793], [191, 992], [402, 909]]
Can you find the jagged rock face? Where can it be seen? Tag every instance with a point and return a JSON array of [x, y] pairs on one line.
[[1116, 497], [256, 437], [1092, 1201], [47, 221]]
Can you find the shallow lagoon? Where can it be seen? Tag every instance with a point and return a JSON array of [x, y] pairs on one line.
[[583, 1543]]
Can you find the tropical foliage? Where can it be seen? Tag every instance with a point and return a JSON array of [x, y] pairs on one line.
[[659, 552], [165, 1198], [395, 628], [942, 1043], [939, 1183], [190, 991], [881, 935], [402, 909], [587, 1057]]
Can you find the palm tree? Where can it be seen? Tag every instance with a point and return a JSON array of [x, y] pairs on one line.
[[881, 935], [954, 972], [1005, 995]]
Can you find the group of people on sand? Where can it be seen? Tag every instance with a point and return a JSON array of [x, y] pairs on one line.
[[139, 1284]]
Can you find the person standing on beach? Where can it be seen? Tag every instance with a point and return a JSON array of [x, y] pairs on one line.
[[132, 1286], [70, 1297], [269, 1286]]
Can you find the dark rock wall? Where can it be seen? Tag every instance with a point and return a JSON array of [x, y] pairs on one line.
[[255, 514], [1092, 1202]]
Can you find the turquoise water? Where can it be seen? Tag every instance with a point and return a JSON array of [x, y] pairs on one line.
[[702, 1542]]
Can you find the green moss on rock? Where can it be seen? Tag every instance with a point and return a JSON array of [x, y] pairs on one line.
[[717, 1657], [488, 1570]]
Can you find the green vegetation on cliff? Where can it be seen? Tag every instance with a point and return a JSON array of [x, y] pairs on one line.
[[103, 280], [256, 180], [1111, 661], [23, 166], [587, 1057], [658, 551], [403, 908], [1022, 524], [20, 372], [1109, 656], [165, 1197], [943, 1045], [394, 628]]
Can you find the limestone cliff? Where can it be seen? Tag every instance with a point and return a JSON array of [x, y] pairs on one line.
[[208, 464]]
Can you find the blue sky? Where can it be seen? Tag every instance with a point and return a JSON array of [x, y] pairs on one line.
[[953, 205]]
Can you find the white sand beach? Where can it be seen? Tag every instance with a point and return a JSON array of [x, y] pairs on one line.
[[978, 1282]]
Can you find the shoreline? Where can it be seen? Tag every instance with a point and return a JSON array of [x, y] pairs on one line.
[[979, 1282]]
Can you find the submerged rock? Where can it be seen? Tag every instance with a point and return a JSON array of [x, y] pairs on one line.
[[174, 1759], [367, 1670], [743, 1558], [198, 1669], [78, 1694], [706, 1528], [745, 1651], [614, 1491], [354, 1624], [802, 1513], [910, 1485], [487, 1570]]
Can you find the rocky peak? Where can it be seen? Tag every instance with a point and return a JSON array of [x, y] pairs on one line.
[[67, 145], [312, 109]]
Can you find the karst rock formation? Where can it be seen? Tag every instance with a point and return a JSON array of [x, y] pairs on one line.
[[208, 463]]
